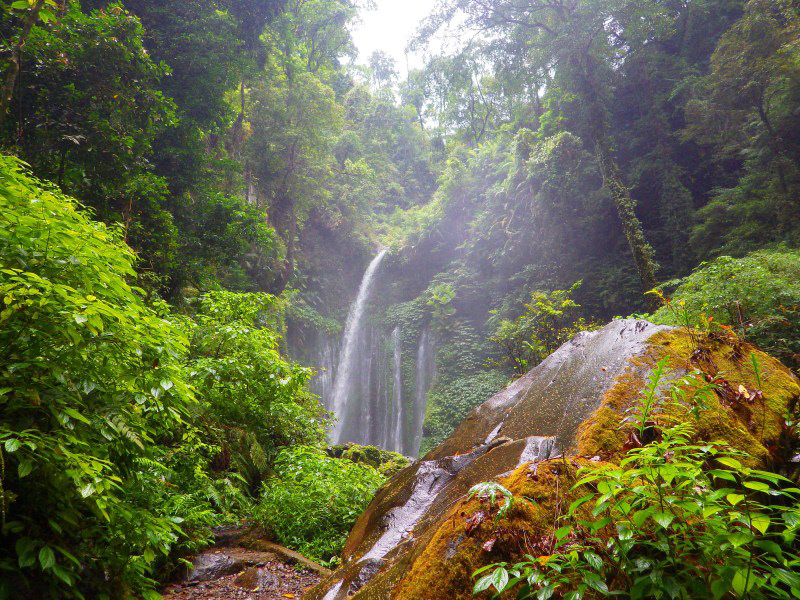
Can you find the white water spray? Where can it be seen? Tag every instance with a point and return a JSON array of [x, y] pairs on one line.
[[342, 386]]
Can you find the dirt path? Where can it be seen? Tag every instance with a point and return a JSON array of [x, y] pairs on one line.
[[263, 571]]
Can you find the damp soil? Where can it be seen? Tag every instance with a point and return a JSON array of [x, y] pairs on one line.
[[271, 579]]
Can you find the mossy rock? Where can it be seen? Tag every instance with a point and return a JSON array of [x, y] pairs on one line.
[[386, 462], [419, 539]]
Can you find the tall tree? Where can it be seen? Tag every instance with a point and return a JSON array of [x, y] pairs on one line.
[[30, 12], [581, 41]]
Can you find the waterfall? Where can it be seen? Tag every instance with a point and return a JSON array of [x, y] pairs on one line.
[[395, 441], [322, 383], [343, 385], [424, 376]]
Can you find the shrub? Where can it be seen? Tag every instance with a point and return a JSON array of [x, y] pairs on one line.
[[313, 500], [676, 519], [759, 295], [255, 399], [89, 376], [449, 402], [549, 320]]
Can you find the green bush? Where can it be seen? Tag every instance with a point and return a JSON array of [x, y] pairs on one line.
[[758, 295], [313, 500], [89, 377], [256, 399], [549, 320]]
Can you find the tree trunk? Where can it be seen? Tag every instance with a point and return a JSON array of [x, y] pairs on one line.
[[612, 178], [626, 209], [12, 73]]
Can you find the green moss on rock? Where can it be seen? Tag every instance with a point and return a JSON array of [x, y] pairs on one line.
[[387, 463]]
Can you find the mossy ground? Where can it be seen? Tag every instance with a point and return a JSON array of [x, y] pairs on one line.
[[387, 463], [542, 491]]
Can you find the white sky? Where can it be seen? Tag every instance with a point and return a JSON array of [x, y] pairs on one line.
[[389, 28]]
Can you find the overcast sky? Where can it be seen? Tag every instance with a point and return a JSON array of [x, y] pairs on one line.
[[389, 28]]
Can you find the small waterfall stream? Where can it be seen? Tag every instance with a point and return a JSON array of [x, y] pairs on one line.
[[344, 384], [322, 383], [424, 378], [396, 431]]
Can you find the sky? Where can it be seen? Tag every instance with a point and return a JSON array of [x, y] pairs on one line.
[[389, 27]]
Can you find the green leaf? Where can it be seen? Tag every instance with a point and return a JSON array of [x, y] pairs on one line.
[[76, 415], [575, 505], [62, 574], [25, 552], [640, 516], [562, 532], [21, 5], [757, 485], [47, 558], [594, 560], [734, 499], [24, 468], [760, 522], [743, 581], [770, 547], [729, 461], [739, 538], [483, 584], [500, 579], [662, 518], [12, 445]]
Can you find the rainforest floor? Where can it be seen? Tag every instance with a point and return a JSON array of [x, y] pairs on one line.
[[260, 571]]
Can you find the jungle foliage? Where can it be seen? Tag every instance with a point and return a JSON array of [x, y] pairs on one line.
[[126, 429], [204, 183]]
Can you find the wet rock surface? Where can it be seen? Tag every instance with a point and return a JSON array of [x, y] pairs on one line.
[[412, 537]]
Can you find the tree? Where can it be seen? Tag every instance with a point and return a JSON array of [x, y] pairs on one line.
[[31, 12], [580, 41], [745, 110]]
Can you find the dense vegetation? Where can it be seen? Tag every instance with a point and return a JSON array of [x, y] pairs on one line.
[[190, 192]]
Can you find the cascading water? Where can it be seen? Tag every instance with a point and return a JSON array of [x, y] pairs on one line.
[[396, 430], [425, 367], [344, 382], [322, 383]]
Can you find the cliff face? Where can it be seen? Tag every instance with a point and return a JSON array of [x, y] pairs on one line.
[[420, 539]]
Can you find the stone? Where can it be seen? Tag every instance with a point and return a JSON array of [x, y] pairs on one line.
[[420, 537], [213, 565]]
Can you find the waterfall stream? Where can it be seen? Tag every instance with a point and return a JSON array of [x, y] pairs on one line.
[[396, 438], [424, 378], [343, 385]]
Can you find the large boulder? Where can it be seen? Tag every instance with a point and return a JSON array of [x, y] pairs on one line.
[[420, 537]]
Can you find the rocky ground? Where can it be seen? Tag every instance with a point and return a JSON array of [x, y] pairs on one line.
[[260, 571]]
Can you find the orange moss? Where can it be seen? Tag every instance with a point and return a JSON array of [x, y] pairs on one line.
[[752, 427], [444, 568]]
